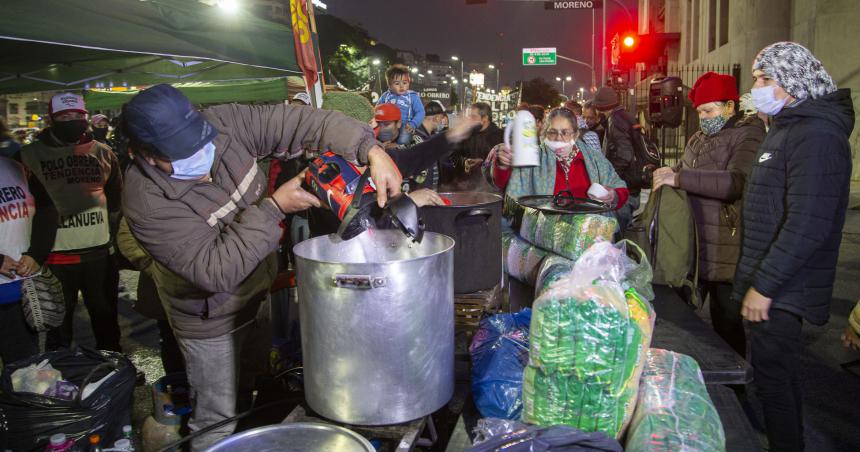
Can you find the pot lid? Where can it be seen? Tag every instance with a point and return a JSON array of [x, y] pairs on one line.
[[563, 203], [297, 436], [469, 198]]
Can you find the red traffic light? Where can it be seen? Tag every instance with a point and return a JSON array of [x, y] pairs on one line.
[[629, 41]]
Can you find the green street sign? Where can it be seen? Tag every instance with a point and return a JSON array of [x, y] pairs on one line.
[[539, 56]]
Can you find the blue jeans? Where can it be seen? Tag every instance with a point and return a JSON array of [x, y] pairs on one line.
[[405, 138]]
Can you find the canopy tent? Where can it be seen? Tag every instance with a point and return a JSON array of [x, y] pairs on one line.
[[265, 90], [81, 44]]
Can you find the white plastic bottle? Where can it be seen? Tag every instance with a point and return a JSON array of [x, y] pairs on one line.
[[59, 443]]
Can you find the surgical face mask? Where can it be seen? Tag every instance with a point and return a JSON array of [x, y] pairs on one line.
[[100, 133], [196, 166], [713, 125], [559, 147], [387, 134], [765, 100], [69, 131]]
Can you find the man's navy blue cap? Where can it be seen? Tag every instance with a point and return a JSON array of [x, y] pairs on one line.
[[163, 117]]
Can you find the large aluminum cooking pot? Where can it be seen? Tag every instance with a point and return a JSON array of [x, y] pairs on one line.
[[377, 325], [474, 221]]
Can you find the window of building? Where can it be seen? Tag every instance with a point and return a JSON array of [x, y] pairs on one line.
[[688, 54], [695, 19], [724, 22], [712, 25], [13, 109]]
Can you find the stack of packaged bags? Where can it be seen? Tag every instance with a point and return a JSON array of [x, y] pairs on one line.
[[589, 365], [546, 239], [568, 236], [674, 411], [589, 339]]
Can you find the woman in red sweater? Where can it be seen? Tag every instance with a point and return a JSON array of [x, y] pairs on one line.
[[566, 163]]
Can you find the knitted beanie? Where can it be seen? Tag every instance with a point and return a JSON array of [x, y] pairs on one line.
[[713, 87], [605, 99], [795, 69]]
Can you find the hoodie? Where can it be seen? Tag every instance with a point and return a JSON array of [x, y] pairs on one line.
[[794, 207], [411, 108]]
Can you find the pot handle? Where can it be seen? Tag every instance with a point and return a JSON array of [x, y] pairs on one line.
[[486, 213], [359, 281]]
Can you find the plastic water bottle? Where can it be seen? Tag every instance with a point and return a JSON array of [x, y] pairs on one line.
[[122, 445], [59, 443], [128, 434]]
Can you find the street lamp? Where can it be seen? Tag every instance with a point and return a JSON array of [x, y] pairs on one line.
[[229, 6], [563, 80], [376, 63], [463, 91], [429, 71], [415, 70], [492, 66]]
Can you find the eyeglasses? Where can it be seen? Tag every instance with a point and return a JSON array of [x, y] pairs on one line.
[[553, 134]]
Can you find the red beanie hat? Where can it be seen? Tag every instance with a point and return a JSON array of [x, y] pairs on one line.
[[713, 87]]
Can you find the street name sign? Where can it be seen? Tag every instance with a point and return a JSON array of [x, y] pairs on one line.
[[581, 4], [539, 56]]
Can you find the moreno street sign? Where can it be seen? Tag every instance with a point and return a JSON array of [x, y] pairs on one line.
[[539, 56], [580, 4]]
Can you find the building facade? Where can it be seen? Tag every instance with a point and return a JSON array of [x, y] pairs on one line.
[[727, 32]]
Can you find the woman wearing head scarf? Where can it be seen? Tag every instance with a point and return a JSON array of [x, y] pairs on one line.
[[713, 172], [794, 210], [566, 163]]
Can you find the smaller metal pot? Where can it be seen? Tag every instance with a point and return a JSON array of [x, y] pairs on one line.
[[474, 221], [297, 436]]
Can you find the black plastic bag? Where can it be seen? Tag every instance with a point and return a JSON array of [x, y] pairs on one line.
[[30, 419], [517, 437]]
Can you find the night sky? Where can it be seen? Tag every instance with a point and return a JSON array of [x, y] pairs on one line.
[[451, 27]]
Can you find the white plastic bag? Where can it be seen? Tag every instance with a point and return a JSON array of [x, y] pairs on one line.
[[589, 336], [36, 378]]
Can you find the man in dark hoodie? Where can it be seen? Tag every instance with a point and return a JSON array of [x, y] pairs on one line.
[[794, 210], [468, 155]]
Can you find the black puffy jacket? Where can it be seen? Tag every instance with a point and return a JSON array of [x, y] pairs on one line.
[[618, 146], [794, 207]]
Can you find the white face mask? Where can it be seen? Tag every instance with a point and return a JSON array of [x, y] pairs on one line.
[[765, 100], [196, 165], [558, 145]]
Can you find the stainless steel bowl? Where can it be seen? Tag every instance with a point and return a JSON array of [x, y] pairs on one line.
[[295, 437]]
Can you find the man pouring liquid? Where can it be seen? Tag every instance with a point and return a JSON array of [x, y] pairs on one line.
[[195, 203]]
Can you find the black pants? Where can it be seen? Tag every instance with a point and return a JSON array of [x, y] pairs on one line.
[[171, 355], [97, 280], [726, 315], [17, 340], [775, 348]]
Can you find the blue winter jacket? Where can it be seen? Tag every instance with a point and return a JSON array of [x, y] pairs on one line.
[[411, 108]]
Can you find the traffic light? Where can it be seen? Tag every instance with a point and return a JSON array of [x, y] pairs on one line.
[[629, 44], [629, 41], [631, 49]]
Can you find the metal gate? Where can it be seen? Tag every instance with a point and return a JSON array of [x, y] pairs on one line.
[[673, 140]]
